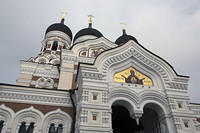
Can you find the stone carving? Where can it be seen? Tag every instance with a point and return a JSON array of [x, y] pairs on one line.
[[177, 85], [92, 75], [36, 98], [140, 58]]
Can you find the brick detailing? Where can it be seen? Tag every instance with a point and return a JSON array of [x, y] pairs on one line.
[[35, 78], [75, 67], [74, 82], [43, 108]]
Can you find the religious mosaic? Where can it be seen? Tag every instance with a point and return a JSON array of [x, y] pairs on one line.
[[131, 75], [93, 52]]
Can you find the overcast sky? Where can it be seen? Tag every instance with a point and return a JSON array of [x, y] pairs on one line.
[[168, 28]]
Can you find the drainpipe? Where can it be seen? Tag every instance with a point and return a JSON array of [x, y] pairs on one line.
[[71, 92]]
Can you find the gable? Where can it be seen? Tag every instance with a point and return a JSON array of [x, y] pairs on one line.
[[133, 56]]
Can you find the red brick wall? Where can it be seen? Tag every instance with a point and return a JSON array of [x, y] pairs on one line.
[[43, 108]]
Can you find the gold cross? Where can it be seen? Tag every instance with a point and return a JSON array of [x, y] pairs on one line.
[[123, 25], [63, 14], [90, 18]]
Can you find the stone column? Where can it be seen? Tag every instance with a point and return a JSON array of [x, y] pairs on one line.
[[167, 125], [137, 115], [110, 118]]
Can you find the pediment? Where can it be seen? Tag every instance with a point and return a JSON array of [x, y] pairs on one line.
[[138, 55]]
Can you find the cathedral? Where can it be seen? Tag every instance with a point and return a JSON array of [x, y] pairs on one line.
[[89, 84]]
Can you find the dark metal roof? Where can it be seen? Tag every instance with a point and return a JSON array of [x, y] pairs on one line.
[[124, 38], [60, 27], [88, 31]]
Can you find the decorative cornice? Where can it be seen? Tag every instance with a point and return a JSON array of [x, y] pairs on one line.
[[64, 69], [35, 96], [90, 75], [6, 96], [180, 86], [69, 58], [46, 73], [132, 52]]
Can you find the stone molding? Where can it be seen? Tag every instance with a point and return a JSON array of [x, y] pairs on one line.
[[140, 58], [137, 53], [90, 75], [92, 43], [179, 86], [42, 70], [138, 100], [35, 96]]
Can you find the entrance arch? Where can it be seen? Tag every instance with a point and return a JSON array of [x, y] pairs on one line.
[[151, 121], [152, 118], [122, 122], [122, 118]]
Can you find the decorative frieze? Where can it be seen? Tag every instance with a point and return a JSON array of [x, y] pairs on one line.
[[90, 75], [105, 118], [104, 97], [173, 106], [85, 96], [69, 58], [178, 126], [84, 116], [8, 96], [27, 70], [139, 57], [179, 86], [46, 73]]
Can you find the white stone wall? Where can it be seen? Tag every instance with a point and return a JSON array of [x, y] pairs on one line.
[[12, 120]]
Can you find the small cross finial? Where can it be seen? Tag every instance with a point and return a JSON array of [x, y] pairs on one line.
[[63, 14], [90, 18], [123, 25]]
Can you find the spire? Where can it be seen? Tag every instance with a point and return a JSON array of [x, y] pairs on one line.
[[90, 20], [63, 17], [123, 28]]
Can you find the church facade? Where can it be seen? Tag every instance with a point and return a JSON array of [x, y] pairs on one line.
[[94, 85]]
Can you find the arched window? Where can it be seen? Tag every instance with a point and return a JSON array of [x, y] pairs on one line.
[[30, 128], [1, 125], [22, 128], [59, 128], [52, 128], [55, 46]]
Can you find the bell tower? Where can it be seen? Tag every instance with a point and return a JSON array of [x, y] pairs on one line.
[[43, 71]]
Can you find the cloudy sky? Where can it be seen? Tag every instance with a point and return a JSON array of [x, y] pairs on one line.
[[168, 28]]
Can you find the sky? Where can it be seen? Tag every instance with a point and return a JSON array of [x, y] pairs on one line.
[[168, 28]]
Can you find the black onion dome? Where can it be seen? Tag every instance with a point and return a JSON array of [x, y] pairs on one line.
[[125, 38], [60, 27], [88, 31]]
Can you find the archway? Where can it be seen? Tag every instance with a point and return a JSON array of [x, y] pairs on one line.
[[122, 122], [150, 122], [151, 117]]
